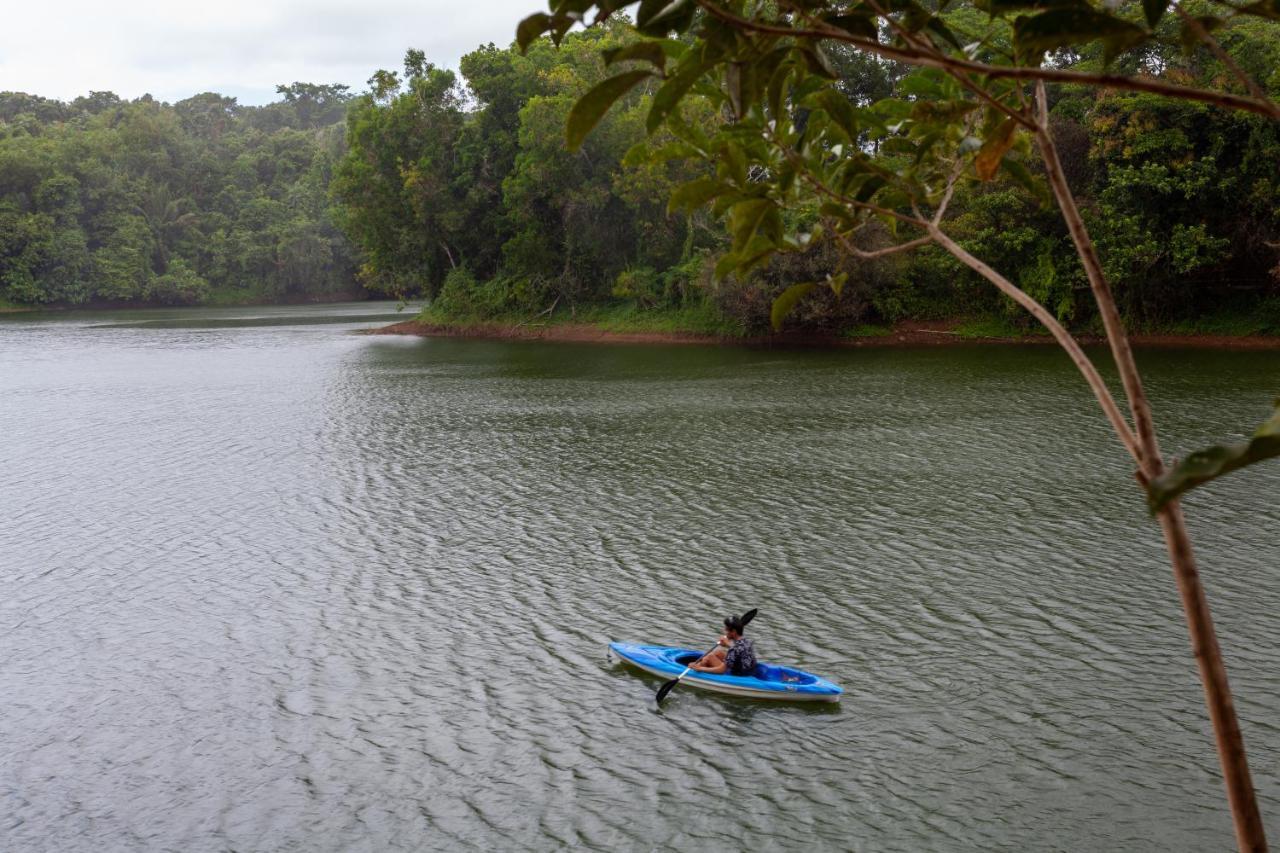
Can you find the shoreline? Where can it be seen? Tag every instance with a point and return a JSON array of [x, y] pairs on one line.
[[907, 334], [94, 305]]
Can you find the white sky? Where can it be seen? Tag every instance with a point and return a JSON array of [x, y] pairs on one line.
[[64, 48]]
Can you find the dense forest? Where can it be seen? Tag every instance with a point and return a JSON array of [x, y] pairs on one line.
[[104, 201], [459, 187], [465, 189]]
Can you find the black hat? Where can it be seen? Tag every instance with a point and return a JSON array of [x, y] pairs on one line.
[[733, 623]]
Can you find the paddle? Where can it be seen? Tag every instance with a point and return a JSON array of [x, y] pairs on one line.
[[667, 687]]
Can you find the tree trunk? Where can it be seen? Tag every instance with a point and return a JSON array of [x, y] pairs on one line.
[[1250, 834]]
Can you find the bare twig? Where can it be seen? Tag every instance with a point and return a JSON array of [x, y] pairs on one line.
[[1060, 334], [951, 188], [546, 312], [1143, 424], [868, 255]]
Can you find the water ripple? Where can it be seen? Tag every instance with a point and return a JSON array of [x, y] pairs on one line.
[[270, 586]]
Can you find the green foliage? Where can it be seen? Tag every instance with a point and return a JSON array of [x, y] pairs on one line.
[[103, 200], [987, 328], [1206, 465], [809, 135], [786, 302], [868, 330], [443, 174], [180, 285]]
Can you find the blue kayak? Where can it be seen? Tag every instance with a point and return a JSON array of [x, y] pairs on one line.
[[766, 682]]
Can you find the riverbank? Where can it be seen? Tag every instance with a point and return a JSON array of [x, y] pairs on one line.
[[904, 334], [216, 299]]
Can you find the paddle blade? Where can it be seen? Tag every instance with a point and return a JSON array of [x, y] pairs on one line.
[[665, 689], [748, 616]]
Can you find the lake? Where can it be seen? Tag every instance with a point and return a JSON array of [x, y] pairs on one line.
[[268, 584]]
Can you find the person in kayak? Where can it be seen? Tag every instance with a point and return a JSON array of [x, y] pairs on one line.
[[735, 655]]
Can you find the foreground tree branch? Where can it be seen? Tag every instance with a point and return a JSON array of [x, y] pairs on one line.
[[814, 151], [1123, 82], [1250, 834], [1078, 357]]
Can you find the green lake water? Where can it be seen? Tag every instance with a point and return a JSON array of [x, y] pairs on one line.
[[269, 585]]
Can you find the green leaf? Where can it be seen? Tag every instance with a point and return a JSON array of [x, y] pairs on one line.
[[863, 26], [869, 188], [659, 17], [776, 92], [531, 28], [749, 218], [786, 302], [695, 194], [1069, 26], [1205, 465], [643, 51], [836, 105], [1022, 175], [942, 31], [818, 61], [836, 283], [726, 265], [667, 98], [592, 106], [923, 83], [1154, 10]]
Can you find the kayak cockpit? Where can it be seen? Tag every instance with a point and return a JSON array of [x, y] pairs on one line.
[[762, 672]]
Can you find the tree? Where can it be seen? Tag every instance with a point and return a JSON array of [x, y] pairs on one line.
[[106, 200], [977, 104]]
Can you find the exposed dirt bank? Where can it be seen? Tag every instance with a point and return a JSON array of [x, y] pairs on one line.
[[903, 335]]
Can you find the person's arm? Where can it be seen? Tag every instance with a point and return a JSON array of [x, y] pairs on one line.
[[717, 667]]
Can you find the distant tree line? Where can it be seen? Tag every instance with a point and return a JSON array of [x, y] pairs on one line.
[[141, 202]]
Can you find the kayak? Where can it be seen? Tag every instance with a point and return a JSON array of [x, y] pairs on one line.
[[768, 681]]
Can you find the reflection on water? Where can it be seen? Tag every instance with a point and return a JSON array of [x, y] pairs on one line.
[[274, 586]]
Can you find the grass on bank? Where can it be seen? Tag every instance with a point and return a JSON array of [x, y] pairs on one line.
[[703, 319], [867, 330], [619, 318], [7, 307], [1261, 320], [996, 327]]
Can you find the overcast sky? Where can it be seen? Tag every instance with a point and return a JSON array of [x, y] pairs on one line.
[[175, 49]]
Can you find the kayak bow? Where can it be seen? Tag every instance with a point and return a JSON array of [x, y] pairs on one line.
[[768, 681]]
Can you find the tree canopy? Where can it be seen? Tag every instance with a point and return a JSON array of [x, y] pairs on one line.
[[141, 202]]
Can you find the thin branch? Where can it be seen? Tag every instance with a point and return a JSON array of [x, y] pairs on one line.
[[1010, 72], [1150, 461], [926, 49], [1060, 334], [822, 188], [951, 188], [1215, 47], [865, 255]]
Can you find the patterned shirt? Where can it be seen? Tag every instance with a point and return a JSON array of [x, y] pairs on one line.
[[741, 659]]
